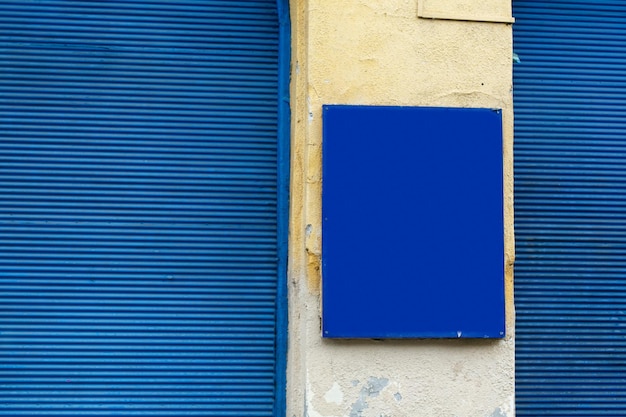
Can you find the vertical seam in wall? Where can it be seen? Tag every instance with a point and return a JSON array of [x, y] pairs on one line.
[[297, 278]]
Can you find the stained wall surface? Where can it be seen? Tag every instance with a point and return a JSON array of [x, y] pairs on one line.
[[374, 52]]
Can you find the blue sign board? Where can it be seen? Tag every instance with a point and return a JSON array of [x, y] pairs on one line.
[[413, 234]]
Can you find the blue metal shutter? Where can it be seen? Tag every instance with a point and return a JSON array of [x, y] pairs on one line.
[[138, 207], [570, 207]]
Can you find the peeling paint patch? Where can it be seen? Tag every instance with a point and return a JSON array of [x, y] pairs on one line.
[[334, 394], [498, 413], [506, 410], [397, 396], [371, 389], [375, 385], [358, 407]]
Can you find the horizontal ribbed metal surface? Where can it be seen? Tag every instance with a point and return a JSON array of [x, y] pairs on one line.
[[570, 207], [138, 235]]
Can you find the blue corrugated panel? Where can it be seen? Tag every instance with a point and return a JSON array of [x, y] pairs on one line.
[[138, 207], [570, 207]]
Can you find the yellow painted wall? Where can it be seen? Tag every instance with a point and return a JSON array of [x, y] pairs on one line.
[[380, 52]]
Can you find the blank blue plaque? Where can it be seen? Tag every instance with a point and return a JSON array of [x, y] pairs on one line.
[[413, 235]]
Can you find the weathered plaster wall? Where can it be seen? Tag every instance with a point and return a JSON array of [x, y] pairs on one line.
[[380, 52]]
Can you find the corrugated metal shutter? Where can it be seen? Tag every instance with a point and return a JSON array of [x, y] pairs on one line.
[[570, 203], [138, 215]]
